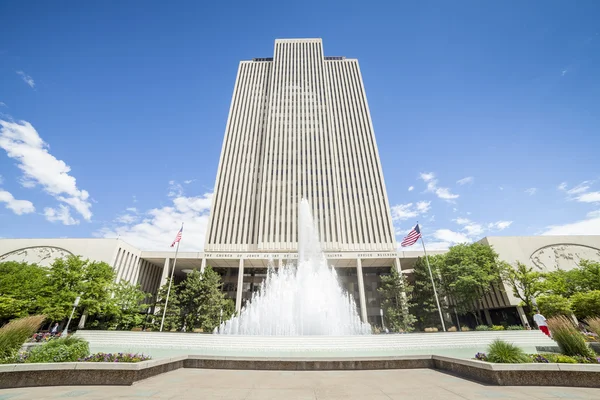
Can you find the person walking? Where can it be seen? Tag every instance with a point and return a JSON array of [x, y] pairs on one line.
[[540, 321]]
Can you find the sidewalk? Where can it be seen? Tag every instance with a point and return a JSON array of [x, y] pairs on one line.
[[291, 385]]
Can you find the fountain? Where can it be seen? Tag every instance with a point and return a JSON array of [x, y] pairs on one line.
[[302, 299]]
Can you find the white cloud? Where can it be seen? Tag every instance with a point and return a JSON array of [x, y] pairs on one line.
[[158, 226], [131, 209], [471, 228], [593, 214], [436, 246], [27, 79], [441, 192], [175, 189], [564, 72], [2, 104], [500, 225], [591, 197], [445, 194], [581, 188], [531, 191], [410, 188], [62, 214], [23, 144], [126, 219], [187, 182], [500, 187], [590, 226], [427, 176], [423, 206], [446, 235], [464, 181], [580, 192], [19, 207], [401, 212]]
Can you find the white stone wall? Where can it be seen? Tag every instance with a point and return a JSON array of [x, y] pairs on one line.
[[124, 258], [299, 127], [544, 253]]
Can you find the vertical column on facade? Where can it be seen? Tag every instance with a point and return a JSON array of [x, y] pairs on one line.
[[123, 267], [381, 191], [488, 317], [522, 315], [334, 162], [203, 265], [240, 287], [377, 216], [137, 271], [362, 156], [165, 272], [361, 291], [398, 265], [215, 222]]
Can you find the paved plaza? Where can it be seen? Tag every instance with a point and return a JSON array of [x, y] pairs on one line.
[[295, 385]]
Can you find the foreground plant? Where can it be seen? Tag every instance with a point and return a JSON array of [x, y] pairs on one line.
[[116, 357], [594, 324], [15, 333], [500, 351], [570, 341], [67, 349]]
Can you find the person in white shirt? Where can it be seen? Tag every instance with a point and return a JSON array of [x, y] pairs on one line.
[[540, 321]]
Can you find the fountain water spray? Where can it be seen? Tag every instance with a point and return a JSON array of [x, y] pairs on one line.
[[302, 299]]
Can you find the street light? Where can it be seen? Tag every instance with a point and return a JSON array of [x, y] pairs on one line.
[[75, 304]]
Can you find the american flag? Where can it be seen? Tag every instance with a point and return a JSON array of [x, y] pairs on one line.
[[412, 237], [178, 237]]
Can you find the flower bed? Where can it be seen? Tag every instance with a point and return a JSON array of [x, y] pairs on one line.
[[550, 358], [115, 357]]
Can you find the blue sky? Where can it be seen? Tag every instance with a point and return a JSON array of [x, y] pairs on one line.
[[114, 112]]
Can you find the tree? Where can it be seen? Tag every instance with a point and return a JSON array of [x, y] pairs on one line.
[[586, 304], [72, 277], [397, 294], [202, 299], [424, 306], [23, 289], [551, 305], [172, 319], [125, 309], [526, 283], [585, 277], [468, 272]]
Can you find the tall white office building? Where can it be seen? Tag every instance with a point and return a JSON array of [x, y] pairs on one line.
[[299, 127]]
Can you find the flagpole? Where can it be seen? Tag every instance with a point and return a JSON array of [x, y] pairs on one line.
[[170, 282], [437, 300]]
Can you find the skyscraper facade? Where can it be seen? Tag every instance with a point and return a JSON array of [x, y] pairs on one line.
[[299, 127]]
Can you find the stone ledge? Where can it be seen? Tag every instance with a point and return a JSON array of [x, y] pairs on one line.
[[59, 374]]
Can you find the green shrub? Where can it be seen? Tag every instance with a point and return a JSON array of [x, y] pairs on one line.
[[498, 328], [500, 351], [482, 328], [515, 328], [69, 349], [15, 333], [586, 304], [552, 305], [568, 337]]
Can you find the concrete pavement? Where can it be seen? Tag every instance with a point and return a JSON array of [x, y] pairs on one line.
[[299, 385]]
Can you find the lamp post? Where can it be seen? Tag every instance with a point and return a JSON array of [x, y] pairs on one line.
[[75, 304], [382, 322]]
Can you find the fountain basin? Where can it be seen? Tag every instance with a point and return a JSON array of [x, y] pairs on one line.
[[169, 344]]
